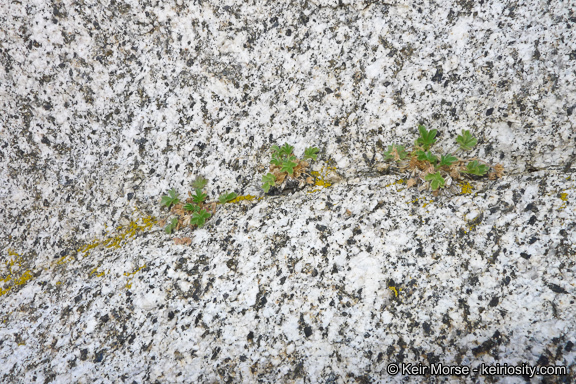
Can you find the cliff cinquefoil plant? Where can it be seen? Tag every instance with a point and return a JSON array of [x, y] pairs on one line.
[[437, 171], [285, 166], [195, 210]]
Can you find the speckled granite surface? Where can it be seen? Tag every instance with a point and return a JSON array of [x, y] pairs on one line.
[[107, 105]]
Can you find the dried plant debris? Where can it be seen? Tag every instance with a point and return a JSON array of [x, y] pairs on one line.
[[287, 173], [439, 172]]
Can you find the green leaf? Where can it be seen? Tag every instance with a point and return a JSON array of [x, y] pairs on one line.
[[199, 218], [170, 199], [199, 183], [310, 153], [436, 180], [466, 140], [393, 150], [275, 149], [286, 149], [276, 160], [427, 138], [475, 168], [288, 165], [226, 197], [171, 226], [191, 207], [447, 160], [427, 156], [199, 197], [269, 180]]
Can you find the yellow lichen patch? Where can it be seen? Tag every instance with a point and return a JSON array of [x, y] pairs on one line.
[[245, 197], [400, 181], [64, 260], [93, 272], [564, 197], [136, 271], [119, 239], [16, 275], [128, 274], [320, 178], [466, 188], [395, 290], [425, 204]]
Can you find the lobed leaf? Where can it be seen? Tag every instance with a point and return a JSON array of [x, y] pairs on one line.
[[226, 197], [199, 197], [447, 160], [395, 152], [269, 180], [288, 165], [475, 168], [199, 218], [427, 156], [191, 207], [199, 183], [170, 199], [436, 180], [171, 226], [310, 153], [466, 140], [286, 149], [427, 138]]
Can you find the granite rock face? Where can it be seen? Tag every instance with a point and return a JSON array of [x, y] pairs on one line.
[[107, 105]]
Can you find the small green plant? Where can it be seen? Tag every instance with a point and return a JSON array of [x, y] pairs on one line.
[[427, 138], [171, 226], [427, 156], [195, 209], [199, 196], [436, 180], [466, 140], [226, 197], [395, 152], [199, 183], [269, 180], [170, 199], [191, 207], [475, 168], [284, 163], [447, 160], [310, 153], [199, 218], [439, 169], [288, 165]]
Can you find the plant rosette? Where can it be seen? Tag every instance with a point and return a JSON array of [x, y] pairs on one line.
[[437, 172], [195, 210], [287, 173]]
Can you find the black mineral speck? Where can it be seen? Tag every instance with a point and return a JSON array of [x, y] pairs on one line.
[[426, 327], [99, 356], [308, 331], [556, 288], [494, 301]]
